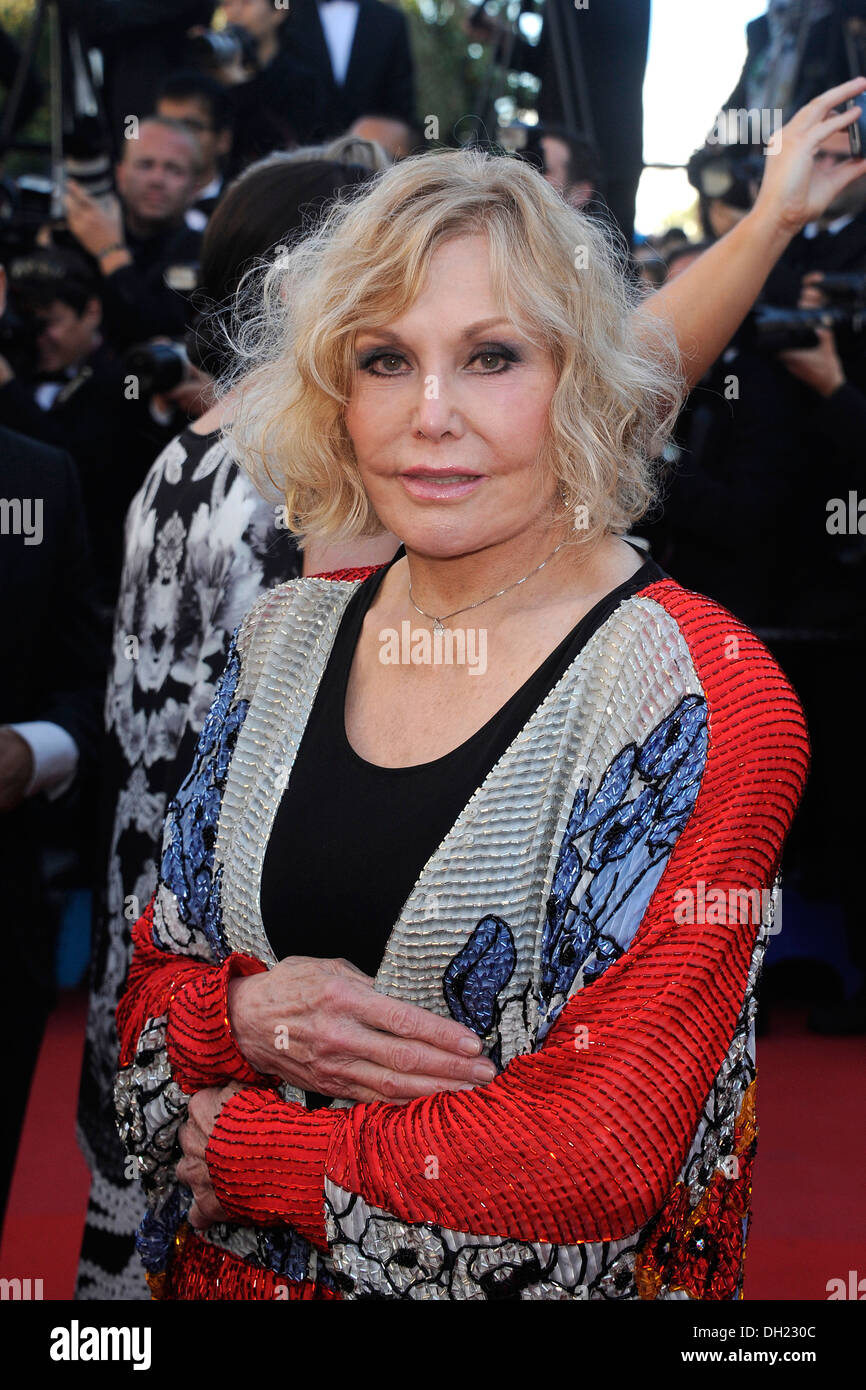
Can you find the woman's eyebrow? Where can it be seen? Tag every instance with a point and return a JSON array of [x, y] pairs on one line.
[[483, 325], [388, 335]]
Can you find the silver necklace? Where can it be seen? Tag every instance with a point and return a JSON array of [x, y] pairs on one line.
[[439, 623]]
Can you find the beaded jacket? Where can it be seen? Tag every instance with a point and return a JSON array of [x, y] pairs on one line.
[[597, 914]]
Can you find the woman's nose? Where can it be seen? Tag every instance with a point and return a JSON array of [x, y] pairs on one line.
[[435, 411]]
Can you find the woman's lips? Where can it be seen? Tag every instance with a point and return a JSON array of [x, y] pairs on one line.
[[440, 487]]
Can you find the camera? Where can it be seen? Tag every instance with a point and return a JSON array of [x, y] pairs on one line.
[[159, 366], [726, 172], [219, 48], [772, 329]]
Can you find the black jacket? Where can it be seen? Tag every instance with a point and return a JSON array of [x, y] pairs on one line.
[[844, 250], [55, 649], [150, 297], [379, 78], [54, 662], [112, 440], [55, 658]]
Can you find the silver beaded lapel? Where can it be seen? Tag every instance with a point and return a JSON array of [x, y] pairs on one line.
[[499, 857]]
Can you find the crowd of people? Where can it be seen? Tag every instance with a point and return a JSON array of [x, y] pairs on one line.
[[134, 544]]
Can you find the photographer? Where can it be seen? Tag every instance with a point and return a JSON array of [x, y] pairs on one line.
[[361, 60], [275, 103], [733, 511], [826, 269], [64, 386], [147, 255]]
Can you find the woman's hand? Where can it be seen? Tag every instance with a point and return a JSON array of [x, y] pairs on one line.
[[321, 1025], [796, 188], [192, 1169]]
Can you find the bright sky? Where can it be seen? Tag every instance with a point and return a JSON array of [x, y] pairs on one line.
[[696, 53]]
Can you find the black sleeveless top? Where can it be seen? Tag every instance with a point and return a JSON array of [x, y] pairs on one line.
[[350, 838]]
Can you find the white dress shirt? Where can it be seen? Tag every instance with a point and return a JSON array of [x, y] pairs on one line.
[[813, 228], [339, 21], [55, 756]]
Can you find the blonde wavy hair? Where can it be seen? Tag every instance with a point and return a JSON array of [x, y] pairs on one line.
[[554, 271]]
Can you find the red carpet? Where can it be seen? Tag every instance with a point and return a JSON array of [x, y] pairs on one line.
[[809, 1201], [45, 1214]]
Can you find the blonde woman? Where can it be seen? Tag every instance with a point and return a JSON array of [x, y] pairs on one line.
[[447, 988]]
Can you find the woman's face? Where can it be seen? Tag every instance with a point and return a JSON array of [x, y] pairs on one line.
[[448, 411]]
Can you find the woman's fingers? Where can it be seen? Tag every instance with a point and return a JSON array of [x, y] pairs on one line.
[[410, 1056], [821, 119], [834, 96], [410, 1021], [310, 1021], [353, 969], [204, 1211], [192, 1140], [358, 1079], [819, 132]]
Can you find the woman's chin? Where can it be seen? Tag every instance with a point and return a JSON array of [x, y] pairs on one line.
[[446, 542]]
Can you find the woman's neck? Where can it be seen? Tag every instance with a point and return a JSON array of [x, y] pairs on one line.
[[213, 419], [526, 567]]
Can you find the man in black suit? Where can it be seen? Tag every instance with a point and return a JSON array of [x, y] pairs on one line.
[[358, 52], [55, 651], [65, 387], [146, 254]]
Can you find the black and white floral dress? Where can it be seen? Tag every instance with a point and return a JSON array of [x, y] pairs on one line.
[[201, 545]]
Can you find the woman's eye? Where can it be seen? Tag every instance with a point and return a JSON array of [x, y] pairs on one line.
[[388, 362], [494, 360]]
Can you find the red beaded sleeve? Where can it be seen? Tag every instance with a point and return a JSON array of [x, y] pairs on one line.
[[201, 1049]]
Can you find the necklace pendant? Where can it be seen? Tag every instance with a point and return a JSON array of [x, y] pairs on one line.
[[438, 625]]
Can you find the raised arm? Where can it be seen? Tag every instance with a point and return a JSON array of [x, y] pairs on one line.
[[709, 301]]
